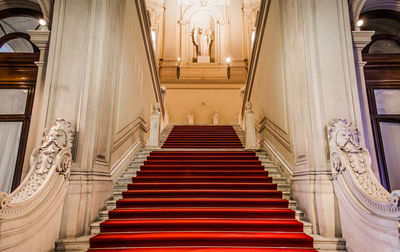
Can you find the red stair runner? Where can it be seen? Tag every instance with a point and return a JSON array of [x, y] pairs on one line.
[[202, 201], [202, 137]]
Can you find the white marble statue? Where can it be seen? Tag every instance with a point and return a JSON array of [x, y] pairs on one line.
[[215, 117], [190, 118], [202, 38]]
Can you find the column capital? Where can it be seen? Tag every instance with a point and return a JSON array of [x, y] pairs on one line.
[[362, 38], [40, 38]]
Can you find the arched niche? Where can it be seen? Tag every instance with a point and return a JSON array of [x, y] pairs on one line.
[[202, 20], [213, 18]]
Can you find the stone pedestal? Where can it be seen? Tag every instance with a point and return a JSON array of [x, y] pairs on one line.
[[251, 141], [154, 138], [203, 59]]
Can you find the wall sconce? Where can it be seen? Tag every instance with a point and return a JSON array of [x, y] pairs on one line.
[[228, 70], [178, 68], [42, 22], [42, 25]]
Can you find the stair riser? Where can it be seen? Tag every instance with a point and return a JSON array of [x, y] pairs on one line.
[[276, 195], [206, 242], [200, 204], [190, 158], [202, 153], [201, 173], [202, 168], [209, 227], [205, 180], [204, 162], [139, 186], [199, 214]]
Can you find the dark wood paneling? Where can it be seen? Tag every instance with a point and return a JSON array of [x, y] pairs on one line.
[[18, 70], [381, 72]]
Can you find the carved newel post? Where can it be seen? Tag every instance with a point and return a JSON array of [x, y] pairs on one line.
[[251, 142], [154, 139]]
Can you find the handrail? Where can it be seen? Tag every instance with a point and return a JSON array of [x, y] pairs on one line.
[[261, 23], [145, 28], [351, 169]]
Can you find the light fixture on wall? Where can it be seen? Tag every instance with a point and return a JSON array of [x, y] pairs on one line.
[[42, 22], [360, 23], [178, 68], [228, 70]]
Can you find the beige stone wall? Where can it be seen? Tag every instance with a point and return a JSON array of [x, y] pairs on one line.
[[269, 95], [134, 94], [203, 83], [304, 79], [99, 78], [202, 102]]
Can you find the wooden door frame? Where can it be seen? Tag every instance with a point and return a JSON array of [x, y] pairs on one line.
[[19, 71], [381, 72]]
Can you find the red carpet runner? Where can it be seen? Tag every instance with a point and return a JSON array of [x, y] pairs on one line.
[[202, 201]]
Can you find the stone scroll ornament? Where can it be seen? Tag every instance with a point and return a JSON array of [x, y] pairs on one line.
[[53, 158], [350, 160]]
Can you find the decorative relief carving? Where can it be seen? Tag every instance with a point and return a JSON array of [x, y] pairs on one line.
[[51, 159], [156, 108], [349, 159], [248, 106]]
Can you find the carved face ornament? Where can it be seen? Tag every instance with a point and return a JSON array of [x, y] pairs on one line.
[[56, 137], [346, 140]]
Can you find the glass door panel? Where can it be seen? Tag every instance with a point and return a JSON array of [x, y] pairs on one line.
[[390, 133], [10, 136], [387, 101], [13, 101]]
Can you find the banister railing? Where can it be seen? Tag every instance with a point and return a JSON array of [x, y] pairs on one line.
[[352, 173], [34, 203], [145, 25]]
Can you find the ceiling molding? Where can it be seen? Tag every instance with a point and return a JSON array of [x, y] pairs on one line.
[[7, 4], [371, 5]]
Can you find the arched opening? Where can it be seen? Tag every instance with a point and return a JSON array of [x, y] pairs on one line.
[[17, 88], [382, 75], [17, 42], [202, 27]]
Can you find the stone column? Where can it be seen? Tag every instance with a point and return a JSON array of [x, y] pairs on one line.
[[251, 141], [360, 40], [38, 120]]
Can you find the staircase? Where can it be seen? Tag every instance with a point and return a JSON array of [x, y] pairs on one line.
[[218, 197]]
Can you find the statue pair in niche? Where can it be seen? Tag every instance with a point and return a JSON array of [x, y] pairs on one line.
[[202, 39]]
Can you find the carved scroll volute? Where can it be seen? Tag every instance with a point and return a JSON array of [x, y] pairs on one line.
[[353, 162], [51, 158]]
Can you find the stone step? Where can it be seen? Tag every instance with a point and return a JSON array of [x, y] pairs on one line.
[[325, 244], [307, 227], [95, 227], [118, 195], [111, 204], [80, 243]]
